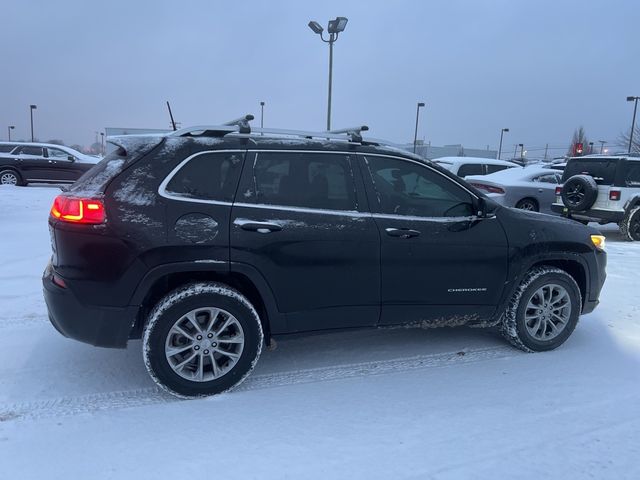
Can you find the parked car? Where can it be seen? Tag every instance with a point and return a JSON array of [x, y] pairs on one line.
[[466, 166], [603, 189], [528, 188], [23, 163], [212, 240]]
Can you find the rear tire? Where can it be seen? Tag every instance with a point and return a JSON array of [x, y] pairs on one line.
[[10, 177], [529, 204], [630, 225], [543, 311], [202, 339]]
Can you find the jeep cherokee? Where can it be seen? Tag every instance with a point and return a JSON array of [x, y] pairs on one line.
[[208, 241]]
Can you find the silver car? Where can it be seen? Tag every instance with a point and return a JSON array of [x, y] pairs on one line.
[[529, 188]]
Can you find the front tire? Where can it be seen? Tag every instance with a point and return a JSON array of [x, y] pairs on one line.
[[543, 311], [630, 225], [202, 339]]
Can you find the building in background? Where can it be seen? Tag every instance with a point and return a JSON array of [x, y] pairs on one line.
[[116, 131], [431, 152]]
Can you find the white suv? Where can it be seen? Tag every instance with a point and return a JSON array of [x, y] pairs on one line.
[[466, 166], [603, 189]]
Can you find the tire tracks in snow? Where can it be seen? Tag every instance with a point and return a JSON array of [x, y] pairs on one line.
[[87, 404]]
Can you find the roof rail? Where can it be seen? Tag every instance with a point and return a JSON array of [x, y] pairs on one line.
[[242, 123], [354, 132]]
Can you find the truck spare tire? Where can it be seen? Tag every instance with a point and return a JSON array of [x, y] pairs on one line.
[[579, 192]]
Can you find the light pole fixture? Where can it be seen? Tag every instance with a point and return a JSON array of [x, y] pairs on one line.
[[9, 128], [31, 109], [261, 114], [415, 135], [502, 132], [521, 145], [633, 122], [602, 142], [334, 28]]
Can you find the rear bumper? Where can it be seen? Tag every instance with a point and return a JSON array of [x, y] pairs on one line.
[[592, 215], [99, 326]]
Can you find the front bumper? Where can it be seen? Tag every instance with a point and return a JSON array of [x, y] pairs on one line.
[[592, 215], [95, 325]]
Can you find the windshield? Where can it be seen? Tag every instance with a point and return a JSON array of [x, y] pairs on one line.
[[603, 170]]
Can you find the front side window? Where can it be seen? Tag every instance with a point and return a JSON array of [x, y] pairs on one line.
[[470, 169], [209, 176], [406, 188], [58, 154], [36, 151], [308, 180]]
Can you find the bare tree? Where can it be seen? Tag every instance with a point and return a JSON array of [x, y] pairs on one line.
[[623, 139], [56, 142], [579, 137]]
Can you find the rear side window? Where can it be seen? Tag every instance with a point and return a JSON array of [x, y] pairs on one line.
[[603, 170], [6, 148], [208, 176], [496, 168], [308, 180], [547, 178], [37, 151], [470, 169], [632, 178]]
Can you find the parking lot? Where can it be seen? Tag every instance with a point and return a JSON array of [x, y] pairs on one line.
[[445, 403]]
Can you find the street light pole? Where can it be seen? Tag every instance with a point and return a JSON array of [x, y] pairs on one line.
[[261, 114], [502, 132], [415, 135], [31, 109], [601, 142], [102, 143], [9, 128], [521, 145], [590, 148], [334, 28], [633, 122]]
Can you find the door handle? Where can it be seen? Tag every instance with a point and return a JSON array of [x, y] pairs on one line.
[[401, 232], [540, 190], [260, 227]]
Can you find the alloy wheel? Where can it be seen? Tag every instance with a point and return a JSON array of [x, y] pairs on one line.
[[548, 312]]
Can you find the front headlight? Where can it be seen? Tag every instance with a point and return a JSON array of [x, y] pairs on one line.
[[598, 241]]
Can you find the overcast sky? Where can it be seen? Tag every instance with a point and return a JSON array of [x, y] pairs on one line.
[[541, 68]]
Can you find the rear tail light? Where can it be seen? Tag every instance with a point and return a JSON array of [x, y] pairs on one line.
[[558, 191], [614, 195], [78, 210], [488, 188]]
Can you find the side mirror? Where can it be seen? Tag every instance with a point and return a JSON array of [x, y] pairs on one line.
[[71, 158], [484, 209]]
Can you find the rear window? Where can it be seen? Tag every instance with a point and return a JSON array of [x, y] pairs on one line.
[[497, 168], [603, 170], [6, 148], [94, 181], [632, 179]]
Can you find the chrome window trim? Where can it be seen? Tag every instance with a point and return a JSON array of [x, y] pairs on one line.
[[162, 189], [286, 208]]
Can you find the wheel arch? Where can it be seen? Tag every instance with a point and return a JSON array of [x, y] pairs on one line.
[[15, 170], [163, 279], [575, 268]]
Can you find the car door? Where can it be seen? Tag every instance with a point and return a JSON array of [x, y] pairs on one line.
[[32, 163], [63, 165], [300, 219], [440, 263]]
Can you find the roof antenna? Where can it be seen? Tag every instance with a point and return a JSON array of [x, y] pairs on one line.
[[173, 123], [242, 123]]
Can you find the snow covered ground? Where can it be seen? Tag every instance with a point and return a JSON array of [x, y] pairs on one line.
[[398, 403]]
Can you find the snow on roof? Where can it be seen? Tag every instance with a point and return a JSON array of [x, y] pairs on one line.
[[514, 174], [487, 161]]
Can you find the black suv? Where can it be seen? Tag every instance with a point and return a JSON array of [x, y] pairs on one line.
[[208, 241]]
